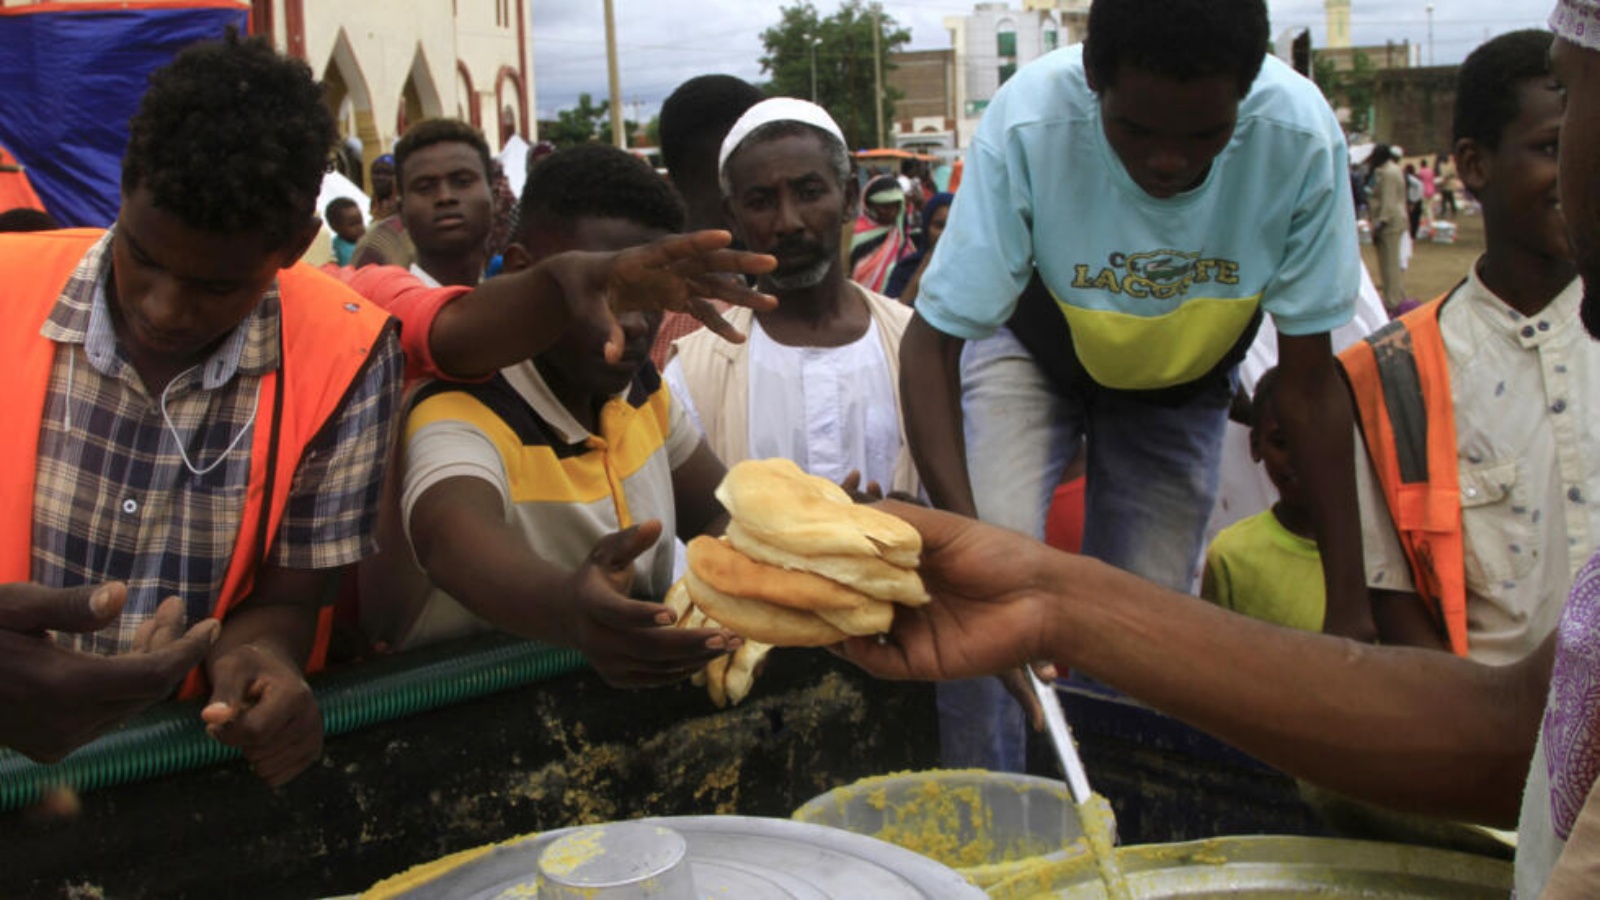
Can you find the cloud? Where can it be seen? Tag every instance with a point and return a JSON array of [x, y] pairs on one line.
[[662, 43]]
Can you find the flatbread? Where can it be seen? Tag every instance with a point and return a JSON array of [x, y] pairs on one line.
[[717, 680], [761, 621], [871, 576], [719, 565], [741, 675], [779, 503], [873, 618], [678, 601]]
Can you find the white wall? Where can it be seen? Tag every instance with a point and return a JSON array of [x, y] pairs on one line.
[[975, 38]]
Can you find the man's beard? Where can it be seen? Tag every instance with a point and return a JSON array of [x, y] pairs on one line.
[[809, 277]]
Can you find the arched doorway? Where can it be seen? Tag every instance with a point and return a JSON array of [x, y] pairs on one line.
[[512, 101], [467, 97], [349, 99], [419, 99]]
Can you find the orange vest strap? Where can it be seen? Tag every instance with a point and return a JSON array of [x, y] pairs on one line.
[[1400, 381], [34, 268], [327, 336]]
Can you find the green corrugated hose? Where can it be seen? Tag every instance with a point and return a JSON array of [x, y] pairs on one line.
[[170, 738]]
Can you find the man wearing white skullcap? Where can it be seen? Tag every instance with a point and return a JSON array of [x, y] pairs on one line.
[[1416, 731], [818, 381], [815, 382]]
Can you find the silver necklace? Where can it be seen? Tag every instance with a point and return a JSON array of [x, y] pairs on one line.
[[166, 417]]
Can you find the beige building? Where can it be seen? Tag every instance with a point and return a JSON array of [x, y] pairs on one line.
[[1393, 55], [995, 40], [1338, 14], [925, 113], [389, 62], [398, 61], [1414, 108]]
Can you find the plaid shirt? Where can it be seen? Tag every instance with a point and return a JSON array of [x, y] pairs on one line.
[[114, 499]]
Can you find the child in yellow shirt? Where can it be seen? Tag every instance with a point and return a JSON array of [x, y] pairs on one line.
[[1268, 566]]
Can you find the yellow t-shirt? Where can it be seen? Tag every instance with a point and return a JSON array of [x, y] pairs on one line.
[[1261, 569]]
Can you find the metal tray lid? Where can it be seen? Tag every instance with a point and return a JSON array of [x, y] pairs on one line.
[[731, 857]]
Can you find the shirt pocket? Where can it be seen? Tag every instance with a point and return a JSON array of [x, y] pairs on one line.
[[1498, 535]]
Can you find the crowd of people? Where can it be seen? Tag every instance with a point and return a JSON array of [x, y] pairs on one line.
[[1401, 203], [491, 412]]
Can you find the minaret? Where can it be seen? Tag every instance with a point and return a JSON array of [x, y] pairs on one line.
[[1338, 22]]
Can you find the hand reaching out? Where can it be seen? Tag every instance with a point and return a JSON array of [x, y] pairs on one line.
[[681, 273], [261, 704], [52, 699], [632, 643]]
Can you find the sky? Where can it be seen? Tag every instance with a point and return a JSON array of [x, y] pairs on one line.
[[662, 43]]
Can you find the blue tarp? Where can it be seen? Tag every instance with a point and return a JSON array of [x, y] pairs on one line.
[[70, 79]]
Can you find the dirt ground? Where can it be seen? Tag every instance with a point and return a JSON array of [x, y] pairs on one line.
[[1436, 268]]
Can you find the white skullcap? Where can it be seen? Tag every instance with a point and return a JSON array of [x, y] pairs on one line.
[[777, 109], [1577, 21]]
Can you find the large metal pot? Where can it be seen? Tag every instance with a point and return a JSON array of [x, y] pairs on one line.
[[727, 856], [1273, 867]]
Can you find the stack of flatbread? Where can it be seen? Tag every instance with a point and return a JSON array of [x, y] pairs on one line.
[[801, 565]]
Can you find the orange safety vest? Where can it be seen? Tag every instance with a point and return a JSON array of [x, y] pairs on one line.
[[1401, 386], [327, 334]]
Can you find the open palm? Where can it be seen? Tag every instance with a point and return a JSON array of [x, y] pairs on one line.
[[684, 274]]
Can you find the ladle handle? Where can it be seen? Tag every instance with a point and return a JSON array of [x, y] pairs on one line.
[[1061, 736]]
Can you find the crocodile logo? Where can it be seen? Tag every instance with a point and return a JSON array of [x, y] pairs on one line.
[[1165, 267], [1159, 274]]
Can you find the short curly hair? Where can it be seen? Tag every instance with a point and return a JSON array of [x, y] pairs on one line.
[[335, 206], [26, 218], [232, 138], [1179, 39], [1266, 394], [438, 131], [597, 181], [1489, 85]]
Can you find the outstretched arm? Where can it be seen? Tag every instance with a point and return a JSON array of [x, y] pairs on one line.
[[1411, 729], [694, 486], [521, 314], [1314, 404], [1402, 619], [930, 394], [471, 552]]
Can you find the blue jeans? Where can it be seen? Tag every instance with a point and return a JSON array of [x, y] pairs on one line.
[[1152, 480]]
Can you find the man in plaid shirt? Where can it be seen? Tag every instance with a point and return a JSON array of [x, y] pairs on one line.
[[150, 356], [176, 352]]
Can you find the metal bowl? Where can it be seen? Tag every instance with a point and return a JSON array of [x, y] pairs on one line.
[[986, 825], [1273, 867], [621, 861]]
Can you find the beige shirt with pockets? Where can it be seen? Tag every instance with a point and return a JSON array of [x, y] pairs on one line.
[[1528, 441]]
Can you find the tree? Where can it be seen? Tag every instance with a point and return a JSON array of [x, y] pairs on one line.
[[1354, 89], [583, 123], [629, 128], [842, 44], [1360, 90], [580, 124]]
